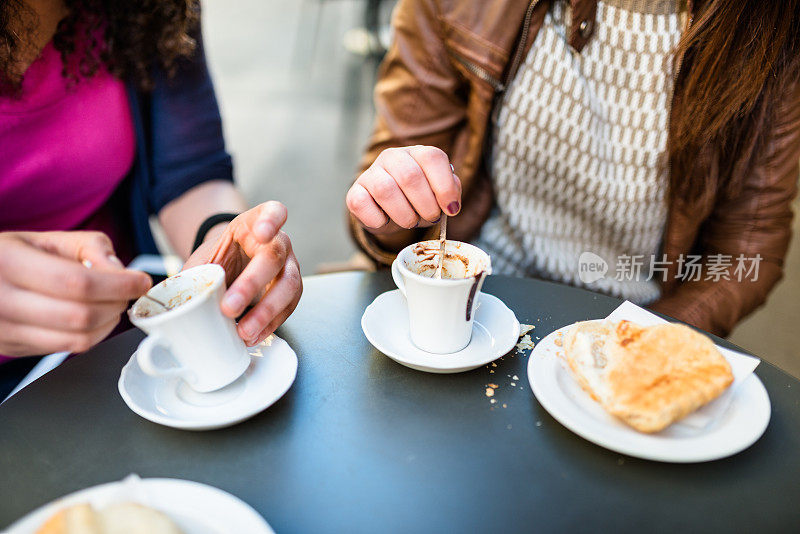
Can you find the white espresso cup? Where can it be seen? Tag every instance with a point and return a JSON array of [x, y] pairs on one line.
[[441, 311], [204, 343]]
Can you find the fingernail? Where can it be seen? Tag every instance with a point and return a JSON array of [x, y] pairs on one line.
[[265, 230], [234, 301], [248, 333], [115, 260], [453, 207], [147, 282], [452, 169]]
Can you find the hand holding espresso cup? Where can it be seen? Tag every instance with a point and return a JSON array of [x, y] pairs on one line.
[[50, 301], [408, 187], [261, 269]]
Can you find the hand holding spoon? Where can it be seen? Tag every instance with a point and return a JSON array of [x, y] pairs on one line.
[[88, 265]]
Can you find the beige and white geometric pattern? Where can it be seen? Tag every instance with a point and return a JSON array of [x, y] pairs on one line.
[[579, 148]]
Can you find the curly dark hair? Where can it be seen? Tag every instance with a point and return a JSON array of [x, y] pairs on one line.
[[138, 35]]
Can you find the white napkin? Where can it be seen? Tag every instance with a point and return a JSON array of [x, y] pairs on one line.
[[742, 366]]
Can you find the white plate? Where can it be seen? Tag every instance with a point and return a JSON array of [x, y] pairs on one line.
[[171, 402], [737, 428], [494, 332], [196, 508]]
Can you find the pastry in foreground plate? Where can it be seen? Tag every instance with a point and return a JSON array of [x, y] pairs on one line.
[[649, 377], [121, 518]]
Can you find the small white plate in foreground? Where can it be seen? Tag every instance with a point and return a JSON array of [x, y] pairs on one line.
[[196, 508]]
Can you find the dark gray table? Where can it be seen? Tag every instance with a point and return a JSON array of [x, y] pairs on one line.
[[362, 444]]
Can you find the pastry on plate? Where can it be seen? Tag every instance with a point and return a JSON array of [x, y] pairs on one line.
[[120, 518], [649, 377]]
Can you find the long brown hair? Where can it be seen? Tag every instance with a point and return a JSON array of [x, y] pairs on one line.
[[739, 59], [138, 35]]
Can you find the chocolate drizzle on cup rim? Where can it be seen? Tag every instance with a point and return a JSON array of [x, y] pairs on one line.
[[472, 291]]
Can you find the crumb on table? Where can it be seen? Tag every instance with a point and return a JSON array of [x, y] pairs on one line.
[[525, 343], [525, 328]]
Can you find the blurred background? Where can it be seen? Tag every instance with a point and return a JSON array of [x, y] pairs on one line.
[[297, 109], [294, 80]]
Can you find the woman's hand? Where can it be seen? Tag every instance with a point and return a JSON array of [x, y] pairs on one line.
[[405, 187], [261, 269], [50, 301]]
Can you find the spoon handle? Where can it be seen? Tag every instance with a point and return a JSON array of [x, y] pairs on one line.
[[442, 240], [148, 297]]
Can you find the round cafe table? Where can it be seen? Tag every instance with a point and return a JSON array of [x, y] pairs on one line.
[[363, 444]]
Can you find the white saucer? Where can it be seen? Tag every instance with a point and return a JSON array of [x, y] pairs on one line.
[[494, 333], [196, 508], [171, 402], [738, 427]]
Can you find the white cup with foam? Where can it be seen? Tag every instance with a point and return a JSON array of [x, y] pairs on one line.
[[441, 311]]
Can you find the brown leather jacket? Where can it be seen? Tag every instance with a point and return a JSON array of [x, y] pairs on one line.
[[439, 84]]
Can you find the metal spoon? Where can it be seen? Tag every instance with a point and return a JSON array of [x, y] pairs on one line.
[[153, 299], [442, 237], [442, 240]]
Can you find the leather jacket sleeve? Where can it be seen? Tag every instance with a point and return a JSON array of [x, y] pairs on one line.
[[417, 98], [757, 221]]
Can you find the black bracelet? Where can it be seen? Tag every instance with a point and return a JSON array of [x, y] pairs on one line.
[[208, 224]]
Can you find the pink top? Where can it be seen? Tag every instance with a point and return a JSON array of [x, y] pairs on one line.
[[64, 148]]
